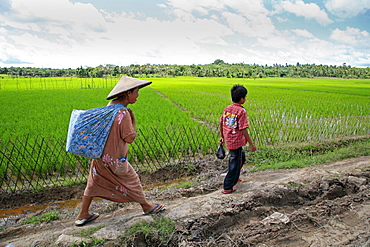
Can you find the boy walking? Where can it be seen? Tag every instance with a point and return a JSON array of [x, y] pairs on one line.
[[234, 131]]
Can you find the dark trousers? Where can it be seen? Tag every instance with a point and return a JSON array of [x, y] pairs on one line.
[[236, 161]]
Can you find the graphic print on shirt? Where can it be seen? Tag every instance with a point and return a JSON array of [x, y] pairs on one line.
[[231, 120]]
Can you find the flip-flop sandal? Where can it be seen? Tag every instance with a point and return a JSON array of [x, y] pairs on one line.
[[228, 191], [85, 221], [157, 208]]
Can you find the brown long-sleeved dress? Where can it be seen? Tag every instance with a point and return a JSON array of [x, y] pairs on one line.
[[109, 177]]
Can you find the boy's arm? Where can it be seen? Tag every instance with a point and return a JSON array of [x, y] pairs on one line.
[[221, 142], [249, 139]]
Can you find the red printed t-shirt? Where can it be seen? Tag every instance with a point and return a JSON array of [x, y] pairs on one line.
[[233, 120]]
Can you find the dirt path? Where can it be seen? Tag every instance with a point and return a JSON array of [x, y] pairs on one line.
[[327, 205]]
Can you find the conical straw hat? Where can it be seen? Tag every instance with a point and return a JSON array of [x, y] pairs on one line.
[[125, 84]]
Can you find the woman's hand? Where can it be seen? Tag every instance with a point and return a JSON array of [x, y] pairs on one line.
[[132, 116]]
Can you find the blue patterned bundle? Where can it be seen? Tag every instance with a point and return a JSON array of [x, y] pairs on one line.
[[89, 129]]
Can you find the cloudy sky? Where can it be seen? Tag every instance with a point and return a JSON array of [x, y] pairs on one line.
[[74, 33]]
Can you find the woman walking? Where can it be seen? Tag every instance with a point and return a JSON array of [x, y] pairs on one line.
[[112, 177]]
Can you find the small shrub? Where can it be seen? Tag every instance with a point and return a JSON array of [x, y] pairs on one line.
[[46, 217], [94, 242], [150, 233], [88, 232], [184, 184]]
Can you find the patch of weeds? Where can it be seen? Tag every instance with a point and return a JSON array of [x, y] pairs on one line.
[[189, 169], [88, 232], [184, 184], [287, 157], [46, 217], [93, 242], [154, 233], [293, 185]]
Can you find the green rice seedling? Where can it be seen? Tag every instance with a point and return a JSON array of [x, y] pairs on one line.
[[179, 116], [53, 83], [46, 113], [280, 110], [297, 108]]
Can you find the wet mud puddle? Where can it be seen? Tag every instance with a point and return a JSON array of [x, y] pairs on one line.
[[10, 217]]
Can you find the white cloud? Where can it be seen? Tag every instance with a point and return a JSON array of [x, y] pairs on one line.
[[347, 8], [63, 34], [312, 51], [101, 37], [191, 5], [248, 8], [41, 31], [350, 36], [69, 23], [185, 10], [276, 42], [307, 10], [303, 33], [250, 18], [281, 20]]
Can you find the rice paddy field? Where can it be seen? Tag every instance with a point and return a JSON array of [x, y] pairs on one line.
[[280, 110], [175, 117]]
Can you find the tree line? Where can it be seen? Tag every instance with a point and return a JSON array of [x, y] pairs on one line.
[[216, 69]]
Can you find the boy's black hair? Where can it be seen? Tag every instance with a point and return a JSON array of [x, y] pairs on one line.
[[238, 92]]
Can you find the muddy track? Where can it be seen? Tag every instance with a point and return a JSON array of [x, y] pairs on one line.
[[327, 205]]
